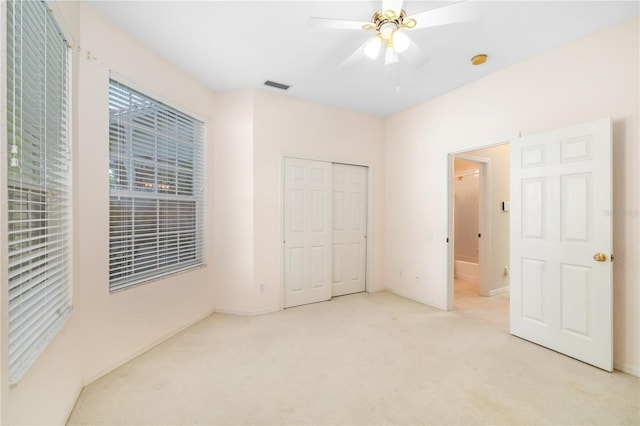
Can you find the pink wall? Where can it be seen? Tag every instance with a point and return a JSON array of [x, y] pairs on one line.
[[586, 80], [260, 128], [105, 329], [466, 183], [233, 210]]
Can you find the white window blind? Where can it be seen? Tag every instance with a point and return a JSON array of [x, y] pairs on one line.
[[38, 182], [156, 179]]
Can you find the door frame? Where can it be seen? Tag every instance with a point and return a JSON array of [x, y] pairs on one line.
[[484, 246], [370, 234]]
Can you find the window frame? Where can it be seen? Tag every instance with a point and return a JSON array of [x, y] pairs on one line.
[[152, 191], [48, 201]]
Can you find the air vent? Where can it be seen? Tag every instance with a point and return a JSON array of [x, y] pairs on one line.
[[277, 85]]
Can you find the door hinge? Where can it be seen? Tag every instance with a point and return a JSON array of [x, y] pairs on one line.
[[479, 235], [447, 239]]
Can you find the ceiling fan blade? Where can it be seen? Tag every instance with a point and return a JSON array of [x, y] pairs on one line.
[[414, 55], [355, 57], [459, 12], [394, 5], [340, 24]]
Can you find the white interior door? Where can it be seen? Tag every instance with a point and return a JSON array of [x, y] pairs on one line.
[[307, 224], [349, 229], [561, 294]]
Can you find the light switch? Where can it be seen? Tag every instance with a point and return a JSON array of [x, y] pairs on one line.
[[506, 206]]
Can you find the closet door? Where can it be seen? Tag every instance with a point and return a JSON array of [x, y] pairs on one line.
[[349, 245], [307, 231]]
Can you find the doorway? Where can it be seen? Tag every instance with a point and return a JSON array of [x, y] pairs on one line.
[[478, 250], [470, 224]]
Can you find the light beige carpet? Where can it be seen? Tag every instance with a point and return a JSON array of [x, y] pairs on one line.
[[359, 359]]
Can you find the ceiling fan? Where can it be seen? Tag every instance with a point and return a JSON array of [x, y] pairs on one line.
[[389, 25]]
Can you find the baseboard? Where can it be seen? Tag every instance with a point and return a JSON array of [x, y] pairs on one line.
[[136, 354], [465, 277], [246, 313], [72, 405], [416, 299], [499, 291], [634, 371]]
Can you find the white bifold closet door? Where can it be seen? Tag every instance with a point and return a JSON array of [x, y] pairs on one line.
[[349, 255], [307, 231], [325, 214]]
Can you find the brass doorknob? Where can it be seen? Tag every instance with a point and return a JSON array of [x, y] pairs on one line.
[[600, 257]]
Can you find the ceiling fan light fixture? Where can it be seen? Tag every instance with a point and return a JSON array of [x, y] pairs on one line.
[[390, 56], [372, 49], [409, 23], [400, 41], [387, 30], [391, 14]]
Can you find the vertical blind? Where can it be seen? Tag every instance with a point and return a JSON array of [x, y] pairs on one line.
[[156, 180], [38, 182]]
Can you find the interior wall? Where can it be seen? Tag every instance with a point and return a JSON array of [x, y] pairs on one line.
[[233, 211], [466, 210], [105, 329], [118, 326], [285, 126], [589, 79], [255, 129]]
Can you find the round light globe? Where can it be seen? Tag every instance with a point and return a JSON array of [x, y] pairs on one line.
[[400, 41], [372, 48]]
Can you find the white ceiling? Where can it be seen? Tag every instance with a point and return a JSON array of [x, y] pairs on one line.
[[240, 44]]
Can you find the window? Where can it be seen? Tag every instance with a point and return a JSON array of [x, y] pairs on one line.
[[38, 182], [156, 185]]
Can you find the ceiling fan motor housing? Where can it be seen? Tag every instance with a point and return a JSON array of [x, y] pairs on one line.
[[388, 19]]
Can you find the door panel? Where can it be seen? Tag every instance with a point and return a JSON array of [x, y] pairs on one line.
[[349, 229], [307, 224], [338, 256], [533, 208], [575, 299], [561, 297], [576, 212], [533, 290], [355, 255], [296, 269]]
